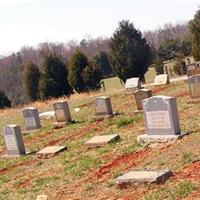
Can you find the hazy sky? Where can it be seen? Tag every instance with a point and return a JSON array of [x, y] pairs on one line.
[[29, 22]]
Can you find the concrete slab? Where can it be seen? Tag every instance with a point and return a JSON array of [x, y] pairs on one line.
[[147, 139], [134, 178], [102, 140], [42, 197], [50, 151]]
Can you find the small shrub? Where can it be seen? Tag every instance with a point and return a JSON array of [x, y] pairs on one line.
[[4, 101]]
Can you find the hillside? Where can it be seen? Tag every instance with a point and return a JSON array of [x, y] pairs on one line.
[[79, 173]]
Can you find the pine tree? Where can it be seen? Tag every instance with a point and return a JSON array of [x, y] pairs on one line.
[[31, 81], [130, 53]]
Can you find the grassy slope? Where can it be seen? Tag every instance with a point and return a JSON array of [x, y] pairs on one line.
[[79, 173]]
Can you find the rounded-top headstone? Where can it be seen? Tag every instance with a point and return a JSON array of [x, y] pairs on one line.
[[194, 85]]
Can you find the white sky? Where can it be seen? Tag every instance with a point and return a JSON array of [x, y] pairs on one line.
[[29, 22]]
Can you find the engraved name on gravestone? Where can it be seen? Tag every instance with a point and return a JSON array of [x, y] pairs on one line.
[[14, 140], [193, 69], [194, 85], [161, 79], [103, 106], [133, 83], [141, 95], [161, 116], [31, 118], [62, 112]]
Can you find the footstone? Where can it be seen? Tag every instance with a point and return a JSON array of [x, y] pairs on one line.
[[31, 119], [133, 84], [47, 115], [62, 112], [161, 79], [134, 178], [102, 140], [42, 197], [194, 85], [50, 151], [141, 95], [103, 107], [14, 141]]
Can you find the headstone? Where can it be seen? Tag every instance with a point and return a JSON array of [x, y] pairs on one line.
[[31, 118], [14, 140], [161, 119], [50, 151], [161, 79], [141, 95], [133, 178], [193, 69], [103, 106], [62, 112], [42, 197], [102, 140], [194, 85], [133, 83]]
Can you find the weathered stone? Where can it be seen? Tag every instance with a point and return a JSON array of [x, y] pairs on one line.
[[103, 107], [193, 69], [141, 95], [134, 178], [102, 140], [42, 197], [194, 85], [161, 79], [62, 112], [50, 151], [47, 115], [133, 84], [31, 118], [14, 140]]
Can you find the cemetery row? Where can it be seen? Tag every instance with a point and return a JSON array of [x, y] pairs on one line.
[[161, 121]]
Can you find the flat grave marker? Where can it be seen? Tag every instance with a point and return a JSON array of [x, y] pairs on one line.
[[31, 119], [13, 140], [50, 151], [133, 84], [137, 177], [194, 85], [102, 140], [42, 197], [161, 79]]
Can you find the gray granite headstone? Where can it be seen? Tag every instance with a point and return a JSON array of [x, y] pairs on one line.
[[133, 83], [103, 106], [161, 116], [194, 85], [62, 112], [14, 140], [31, 118], [141, 95]]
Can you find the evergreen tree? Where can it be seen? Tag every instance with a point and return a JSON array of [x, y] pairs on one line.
[[4, 101], [78, 63], [195, 35], [31, 81], [130, 53], [54, 81]]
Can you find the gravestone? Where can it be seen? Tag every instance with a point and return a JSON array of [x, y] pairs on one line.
[[103, 107], [141, 95], [161, 119], [47, 115], [133, 84], [193, 69], [50, 151], [134, 178], [194, 85], [102, 140], [42, 197], [14, 140], [161, 79], [62, 112], [31, 118]]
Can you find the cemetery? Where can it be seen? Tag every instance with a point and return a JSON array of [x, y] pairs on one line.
[[111, 153]]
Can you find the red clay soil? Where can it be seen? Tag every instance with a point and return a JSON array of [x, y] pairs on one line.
[[159, 89]]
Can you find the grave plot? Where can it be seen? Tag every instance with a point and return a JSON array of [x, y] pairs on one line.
[[139, 96], [133, 84], [14, 141], [102, 140], [161, 79], [161, 120], [31, 119], [50, 151], [134, 178], [62, 114]]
